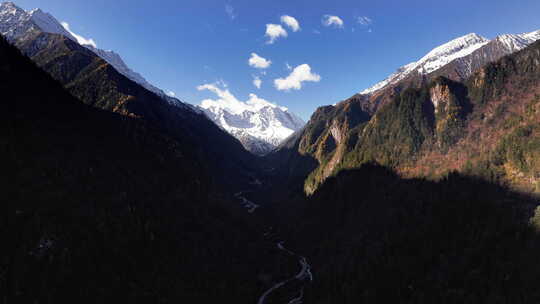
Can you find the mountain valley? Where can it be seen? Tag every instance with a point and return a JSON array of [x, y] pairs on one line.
[[423, 188]]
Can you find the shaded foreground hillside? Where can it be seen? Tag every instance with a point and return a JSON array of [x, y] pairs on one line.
[[97, 83], [118, 196], [102, 207], [373, 237]]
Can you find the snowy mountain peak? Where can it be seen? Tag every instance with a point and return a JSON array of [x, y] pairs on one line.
[[512, 42], [455, 49], [532, 35], [10, 8], [257, 103], [457, 43], [259, 124], [449, 51], [47, 23], [435, 59], [518, 42]]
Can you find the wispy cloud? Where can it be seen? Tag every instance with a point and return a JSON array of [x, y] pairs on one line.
[[230, 11], [225, 97], [364, 20], [294, 81], [222, 83], [257, 82], [80, 39], [274, 31], [335, 21], [259, 62], [291, 22]]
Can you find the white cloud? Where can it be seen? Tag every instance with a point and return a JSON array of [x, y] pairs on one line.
[[80, 39], [257, 82], [364, 20], [171, 93], [288, 66], [274, 31], [294, 81], [258, 62], [291, 22], [228, 100], [225, 97], [230, 11], [329, 20]]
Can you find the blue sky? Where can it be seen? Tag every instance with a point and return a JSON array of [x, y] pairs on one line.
[[180, 45]]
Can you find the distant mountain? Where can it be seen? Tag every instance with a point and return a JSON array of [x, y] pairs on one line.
[[15, 23], [426, 119], [259, 125]]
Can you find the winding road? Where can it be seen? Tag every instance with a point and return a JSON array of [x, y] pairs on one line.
[[305, 269], [251, 206], [304, 275]]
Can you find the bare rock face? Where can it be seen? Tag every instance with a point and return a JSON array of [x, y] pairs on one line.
[[336, 132], [327, 137], [450, 109], [440, 96]]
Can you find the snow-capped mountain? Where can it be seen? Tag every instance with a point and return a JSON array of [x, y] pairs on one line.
[[16, 23], [434, 60], [469, 51], [516, 43], [259, 125]]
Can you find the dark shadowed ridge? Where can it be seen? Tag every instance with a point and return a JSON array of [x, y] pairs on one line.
[[101, 205], [95, 82], [375, 237]]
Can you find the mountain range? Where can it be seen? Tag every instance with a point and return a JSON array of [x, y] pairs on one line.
[[364, 127], [260, 126], [79, 68], [423, 189]]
